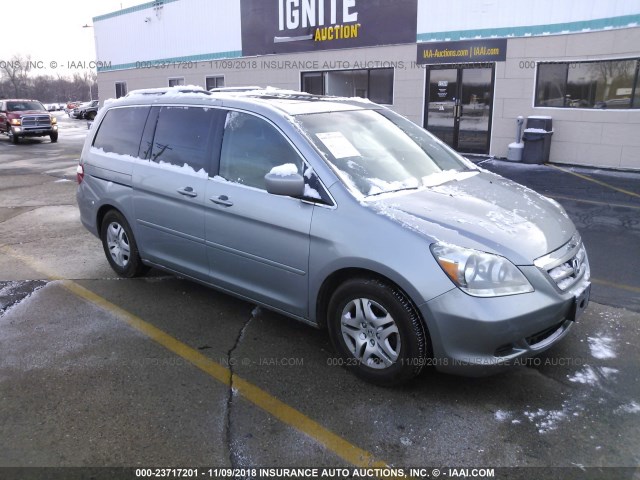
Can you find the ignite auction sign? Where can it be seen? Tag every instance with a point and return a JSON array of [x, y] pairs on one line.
[[465, 51], [287, 26]]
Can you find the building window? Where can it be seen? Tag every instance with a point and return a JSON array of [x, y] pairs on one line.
[[121, 89], [313, 82], [174, 82], [605, 84], [214, 82], [374, 84]]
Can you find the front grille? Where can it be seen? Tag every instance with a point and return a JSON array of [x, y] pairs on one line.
[[567, 265], [36, 121], [568, 273]]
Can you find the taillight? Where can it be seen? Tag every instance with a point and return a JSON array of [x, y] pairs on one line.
[[80, 173]]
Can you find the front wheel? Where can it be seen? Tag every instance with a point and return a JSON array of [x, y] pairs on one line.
[[13, 138], [377, 332], [120, 247], [54, 137]]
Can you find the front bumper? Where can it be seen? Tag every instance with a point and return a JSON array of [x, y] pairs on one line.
[[34, 132], [479, 336]]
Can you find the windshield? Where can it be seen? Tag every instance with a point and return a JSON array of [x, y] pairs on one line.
[[377, 152], [24, 106]]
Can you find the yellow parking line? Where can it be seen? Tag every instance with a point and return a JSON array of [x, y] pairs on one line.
[[584, 177], [252, 393], [616, 285], [594, 202]]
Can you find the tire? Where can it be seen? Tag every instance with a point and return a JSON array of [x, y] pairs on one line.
[[90, 115], [53, 137], [377, 332], [120, 246], [12, 137]]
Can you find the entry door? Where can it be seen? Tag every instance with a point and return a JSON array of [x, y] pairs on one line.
[[257, 243], [170, 188], [459, 104]]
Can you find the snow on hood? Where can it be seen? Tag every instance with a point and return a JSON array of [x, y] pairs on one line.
[[485, 212]]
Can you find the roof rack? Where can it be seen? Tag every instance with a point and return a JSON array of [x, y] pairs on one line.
[[165, 90], [267, 93], [234, 89]]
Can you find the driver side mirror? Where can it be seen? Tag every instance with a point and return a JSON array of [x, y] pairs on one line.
[[291, 185]]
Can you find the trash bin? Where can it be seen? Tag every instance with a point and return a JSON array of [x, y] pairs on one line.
[[537, 139]]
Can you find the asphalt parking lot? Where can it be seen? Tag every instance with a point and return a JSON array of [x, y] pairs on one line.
[[161, 372]]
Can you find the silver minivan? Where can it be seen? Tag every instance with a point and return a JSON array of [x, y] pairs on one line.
[[340, 213]]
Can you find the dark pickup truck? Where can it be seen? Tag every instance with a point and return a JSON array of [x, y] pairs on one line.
[[26, 118]]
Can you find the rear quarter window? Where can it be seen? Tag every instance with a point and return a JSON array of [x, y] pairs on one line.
[[121, 130]]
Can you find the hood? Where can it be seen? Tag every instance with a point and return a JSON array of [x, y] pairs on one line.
[[485, 212], [29, 112]]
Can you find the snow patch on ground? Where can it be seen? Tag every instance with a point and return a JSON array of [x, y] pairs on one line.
[[587, 376], [502, 416], [608, 372], [601, 347], [631, 407], [547, 420], [16, 292], [406, 441]]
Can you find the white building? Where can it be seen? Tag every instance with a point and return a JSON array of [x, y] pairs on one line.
[[465, 69]]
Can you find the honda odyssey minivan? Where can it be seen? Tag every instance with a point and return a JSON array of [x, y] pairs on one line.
[[339, 213]]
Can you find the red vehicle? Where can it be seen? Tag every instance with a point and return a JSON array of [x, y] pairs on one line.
[[26, 118]]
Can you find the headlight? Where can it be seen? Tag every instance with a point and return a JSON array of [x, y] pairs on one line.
[[54, 120], [15, 121], [478, 273]]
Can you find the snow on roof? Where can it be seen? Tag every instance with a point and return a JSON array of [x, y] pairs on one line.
[[291, 102]]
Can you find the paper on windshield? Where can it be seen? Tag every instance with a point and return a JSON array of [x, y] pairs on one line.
[[338, 144]]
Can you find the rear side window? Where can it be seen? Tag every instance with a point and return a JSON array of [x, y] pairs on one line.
[[121, 130], [183, 136]]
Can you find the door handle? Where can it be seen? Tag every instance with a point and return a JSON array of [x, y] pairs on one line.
[[222, 200], [187, 192]]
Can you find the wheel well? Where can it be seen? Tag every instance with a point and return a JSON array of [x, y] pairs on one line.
[[102, 211], [333, 281]]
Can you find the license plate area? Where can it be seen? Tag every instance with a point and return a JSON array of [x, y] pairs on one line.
[[580, 304]]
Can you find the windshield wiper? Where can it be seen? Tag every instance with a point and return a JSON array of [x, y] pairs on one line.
[[392, 191]]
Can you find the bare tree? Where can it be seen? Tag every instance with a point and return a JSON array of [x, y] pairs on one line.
[[16, 82], [16, 71], [608, 72]]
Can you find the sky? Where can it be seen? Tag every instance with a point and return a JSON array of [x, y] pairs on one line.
[[52, 31]]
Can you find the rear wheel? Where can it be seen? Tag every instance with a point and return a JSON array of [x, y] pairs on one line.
[[120, 247], [377, 332]]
